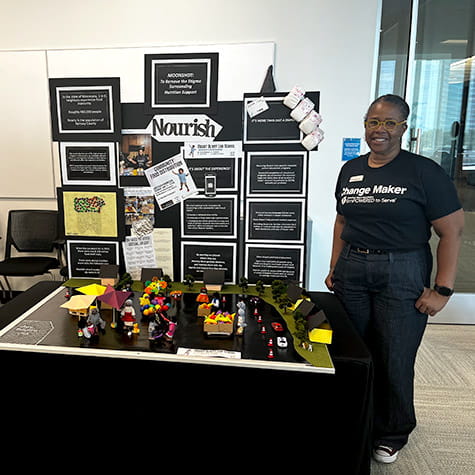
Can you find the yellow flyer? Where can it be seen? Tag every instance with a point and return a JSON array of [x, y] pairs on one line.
[[90, 213]]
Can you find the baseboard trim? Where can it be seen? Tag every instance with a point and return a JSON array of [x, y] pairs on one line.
[[459, 310]]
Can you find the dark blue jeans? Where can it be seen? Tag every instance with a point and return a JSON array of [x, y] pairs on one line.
[[379, 292]]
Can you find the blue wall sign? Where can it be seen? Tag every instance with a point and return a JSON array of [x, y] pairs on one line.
[[351, 148]]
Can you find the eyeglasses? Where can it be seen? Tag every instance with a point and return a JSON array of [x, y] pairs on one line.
[[388, 124]]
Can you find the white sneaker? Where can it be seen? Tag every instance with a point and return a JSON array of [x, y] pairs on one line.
[[385, 454]]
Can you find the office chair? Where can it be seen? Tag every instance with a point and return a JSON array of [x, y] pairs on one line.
[[30, 231]]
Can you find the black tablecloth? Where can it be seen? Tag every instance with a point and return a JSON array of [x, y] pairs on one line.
[[325, 417]]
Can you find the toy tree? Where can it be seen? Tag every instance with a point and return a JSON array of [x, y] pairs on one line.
[[189, 281], [168, 280], [284, 302], [260, 287], [124, 282], [278, 288], [300, 327], [243, 283]]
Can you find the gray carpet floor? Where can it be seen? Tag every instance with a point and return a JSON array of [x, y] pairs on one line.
[[444, 441]]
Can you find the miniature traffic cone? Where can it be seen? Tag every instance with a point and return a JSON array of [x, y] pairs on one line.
[[270, 342], [263, 330], [259, 319], [270, 355]]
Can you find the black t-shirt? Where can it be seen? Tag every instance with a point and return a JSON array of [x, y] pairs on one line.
[[391, 207]]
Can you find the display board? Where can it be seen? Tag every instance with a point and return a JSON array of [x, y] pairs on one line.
[[189, 141], [276, 170]]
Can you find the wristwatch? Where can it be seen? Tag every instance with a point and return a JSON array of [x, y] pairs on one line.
[[445, 291]]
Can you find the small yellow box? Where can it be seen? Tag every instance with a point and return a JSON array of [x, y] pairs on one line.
[[321, 334]]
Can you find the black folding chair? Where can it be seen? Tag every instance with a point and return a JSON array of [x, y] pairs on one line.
[[30, 232]]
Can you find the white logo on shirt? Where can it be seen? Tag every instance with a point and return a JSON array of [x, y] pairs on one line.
[[372, 194], [375, 190]]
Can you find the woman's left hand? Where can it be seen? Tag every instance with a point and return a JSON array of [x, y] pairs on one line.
[[431, 302]]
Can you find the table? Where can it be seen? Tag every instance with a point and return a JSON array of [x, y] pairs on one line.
[[337, 405]]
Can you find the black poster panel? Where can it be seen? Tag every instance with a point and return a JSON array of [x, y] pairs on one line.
[[198, 257], [276, 221], [275, 173], [181, 83], [134, 116], [224, 169], [85, 109], [85, 258], [269, 262], [274, 128], [88, 163], [209, 217]]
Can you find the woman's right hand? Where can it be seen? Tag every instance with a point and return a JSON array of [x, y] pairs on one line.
[[329, 280]]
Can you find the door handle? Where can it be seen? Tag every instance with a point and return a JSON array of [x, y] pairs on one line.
[[415, 140]]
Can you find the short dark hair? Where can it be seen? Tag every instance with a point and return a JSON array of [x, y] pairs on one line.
[[398, 101]]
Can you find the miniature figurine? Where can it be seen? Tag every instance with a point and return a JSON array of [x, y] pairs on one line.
[[157, 326], [241, 324], [203, 297], [128, 316], [171, 330], [154, 330], [95, 320], [215, 302], [307, 346], [168, 315], [82, 326]]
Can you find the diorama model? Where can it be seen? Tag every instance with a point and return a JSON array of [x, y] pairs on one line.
[[252, 323]]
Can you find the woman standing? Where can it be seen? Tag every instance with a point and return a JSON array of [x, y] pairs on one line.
[[387, 203]]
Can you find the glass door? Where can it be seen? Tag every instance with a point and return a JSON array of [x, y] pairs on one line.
[[441, 93]]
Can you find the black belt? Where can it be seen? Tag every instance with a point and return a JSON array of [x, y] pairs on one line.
[[362, 250]]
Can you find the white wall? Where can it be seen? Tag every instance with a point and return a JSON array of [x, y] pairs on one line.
[[320, 45]]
